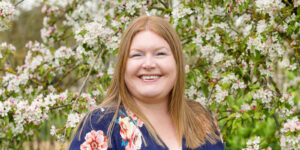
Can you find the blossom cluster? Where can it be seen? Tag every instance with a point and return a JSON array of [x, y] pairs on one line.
[[253, 144], [86, 34], [292, 125], [290, 142], [242, 63], [7, 13], [6, 48]]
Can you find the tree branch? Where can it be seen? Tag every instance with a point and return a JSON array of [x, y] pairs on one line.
[[277, 123], [164, 4], [61, 106], [18, 3], [83, 84]]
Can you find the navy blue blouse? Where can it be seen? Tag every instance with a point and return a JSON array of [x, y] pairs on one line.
[[129, 133]]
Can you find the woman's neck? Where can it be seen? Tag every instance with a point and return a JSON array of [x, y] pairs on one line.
[[153, 109]]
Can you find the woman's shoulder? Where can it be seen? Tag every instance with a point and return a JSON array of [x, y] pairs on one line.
[[208, 146], [98, 119]]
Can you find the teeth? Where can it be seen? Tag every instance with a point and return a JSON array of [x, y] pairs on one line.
[[149, 77]]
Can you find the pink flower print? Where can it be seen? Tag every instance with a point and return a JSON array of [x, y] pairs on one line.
[[124, 127], [135, 140], [130, 133], [94, 140], [135, 118]]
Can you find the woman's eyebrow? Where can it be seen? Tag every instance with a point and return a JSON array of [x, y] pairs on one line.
[[158, 48]]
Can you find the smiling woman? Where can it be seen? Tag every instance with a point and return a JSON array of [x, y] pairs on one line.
[[145, 106], [151, 68]]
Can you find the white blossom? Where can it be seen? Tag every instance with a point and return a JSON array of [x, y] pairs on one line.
[[30, 4], [261, 26], [267, 6], [264, 95], [253, 144], [290, 142], [245, 107], [7, 13], [220, 94], [291, 125], [91, 32], [53, 130], [131, 6], [180, 11], [64, 53], [296, 3], [218, 57], [73, 119]]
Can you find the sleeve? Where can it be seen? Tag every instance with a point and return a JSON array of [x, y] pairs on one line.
[[218, 146], [93, 134], [208, 146]]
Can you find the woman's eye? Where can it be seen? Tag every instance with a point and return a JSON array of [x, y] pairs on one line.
[[135, 55], [161, 53]]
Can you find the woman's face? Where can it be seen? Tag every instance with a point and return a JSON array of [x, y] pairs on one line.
[[151, 68]]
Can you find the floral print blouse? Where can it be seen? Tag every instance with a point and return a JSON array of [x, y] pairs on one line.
[[129, 133]]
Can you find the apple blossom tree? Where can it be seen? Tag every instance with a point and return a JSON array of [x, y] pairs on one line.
[[242, 63]]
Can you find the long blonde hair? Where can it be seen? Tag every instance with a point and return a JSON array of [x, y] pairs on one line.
[[191, 120]]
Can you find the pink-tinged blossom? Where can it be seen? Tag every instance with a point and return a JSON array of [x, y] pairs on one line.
[[290, 142], [7, 13], [296, 3], [46, 32], [191, 92], [265, 96], [7, 47], [94, 140], [267, 6], [245, 107], [292, 125], [198, 39], [287, 98], [253, 144], [230, 78], [220, 94], [73, 119], [91, 103], [64, 53], [238, 85]]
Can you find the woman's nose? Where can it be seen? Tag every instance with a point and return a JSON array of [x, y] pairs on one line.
[[149, 62]]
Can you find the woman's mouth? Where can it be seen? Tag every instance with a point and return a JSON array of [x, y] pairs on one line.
[[149, 77]]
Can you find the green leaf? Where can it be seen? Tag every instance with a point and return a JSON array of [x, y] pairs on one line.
[[49, 78], [256, 115], [204, 89], [84, 58], [90, 90], [68, 131], [254, 86], [225, 86]]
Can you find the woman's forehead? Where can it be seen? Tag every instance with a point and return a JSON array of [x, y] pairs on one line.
[[148, 40]]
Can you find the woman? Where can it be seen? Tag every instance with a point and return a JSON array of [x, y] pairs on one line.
[[145, 106]]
